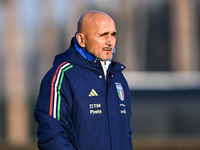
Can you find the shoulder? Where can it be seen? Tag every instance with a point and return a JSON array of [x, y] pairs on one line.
[[57, 70]]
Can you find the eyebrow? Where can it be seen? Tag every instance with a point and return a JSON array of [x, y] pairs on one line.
[[114, 33], [105, 33]]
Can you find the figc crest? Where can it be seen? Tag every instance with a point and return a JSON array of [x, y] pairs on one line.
[[120, 91]]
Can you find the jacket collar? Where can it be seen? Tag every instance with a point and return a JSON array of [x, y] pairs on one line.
[[71, 55], [82, 52]]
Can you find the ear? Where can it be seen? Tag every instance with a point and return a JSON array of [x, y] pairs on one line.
[[81, 39]]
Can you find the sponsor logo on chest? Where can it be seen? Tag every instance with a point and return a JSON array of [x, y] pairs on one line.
[[95, 109]]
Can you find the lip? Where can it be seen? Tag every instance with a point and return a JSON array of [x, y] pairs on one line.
[[108, 49]]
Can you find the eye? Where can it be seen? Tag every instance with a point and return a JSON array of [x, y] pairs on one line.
[[114, 34]]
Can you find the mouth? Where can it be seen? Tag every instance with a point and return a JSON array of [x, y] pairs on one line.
[[107, 48]]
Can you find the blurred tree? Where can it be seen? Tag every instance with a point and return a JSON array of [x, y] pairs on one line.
[[126, 48], [17, 121], [140, 32], [158, 39], [184, 35], [48, 37]]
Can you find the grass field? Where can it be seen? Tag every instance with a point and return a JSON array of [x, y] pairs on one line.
[[176, 144]]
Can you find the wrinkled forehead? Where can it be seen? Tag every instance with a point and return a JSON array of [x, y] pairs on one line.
[[102, 23], [97, 21]]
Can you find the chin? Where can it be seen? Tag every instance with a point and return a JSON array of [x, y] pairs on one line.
[[104, 59]]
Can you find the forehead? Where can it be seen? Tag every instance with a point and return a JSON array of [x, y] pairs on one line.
[[105, 22], [102, 23]]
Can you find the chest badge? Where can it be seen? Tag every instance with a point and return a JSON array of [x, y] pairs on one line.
[[120, 91]]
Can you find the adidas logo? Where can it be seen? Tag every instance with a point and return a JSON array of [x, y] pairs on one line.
[[93, 93]]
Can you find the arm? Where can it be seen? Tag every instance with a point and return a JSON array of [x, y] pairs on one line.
[[53, 129], [130, 137], [52, 133]]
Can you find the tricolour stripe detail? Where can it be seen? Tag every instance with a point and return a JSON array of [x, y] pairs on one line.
[[59, 87], [52, 87], [56, 89], [55, 99]]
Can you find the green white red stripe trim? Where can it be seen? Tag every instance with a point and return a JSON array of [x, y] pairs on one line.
[[55, 98]]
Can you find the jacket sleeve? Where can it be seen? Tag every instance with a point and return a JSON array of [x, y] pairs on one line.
[[130, 137], [129, 117], [53, 116]]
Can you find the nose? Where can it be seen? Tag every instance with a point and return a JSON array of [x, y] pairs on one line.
[[109, 40]]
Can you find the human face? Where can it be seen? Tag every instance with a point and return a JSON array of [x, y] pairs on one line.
[[100, 39]]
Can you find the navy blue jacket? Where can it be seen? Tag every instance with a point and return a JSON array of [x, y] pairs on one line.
[[79, 109]]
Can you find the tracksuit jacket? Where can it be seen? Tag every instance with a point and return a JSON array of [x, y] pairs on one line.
[[78, 108]]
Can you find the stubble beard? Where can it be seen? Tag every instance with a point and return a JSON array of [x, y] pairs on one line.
[[106, 56]]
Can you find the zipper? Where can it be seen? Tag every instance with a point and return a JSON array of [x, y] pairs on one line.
[[106, 85]]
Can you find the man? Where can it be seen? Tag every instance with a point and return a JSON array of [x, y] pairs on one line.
[[84, 100]]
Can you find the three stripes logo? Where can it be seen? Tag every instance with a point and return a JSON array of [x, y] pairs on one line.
[[93, 93]]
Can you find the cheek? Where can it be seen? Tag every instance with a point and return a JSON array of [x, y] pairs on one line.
[[98, 46], [95, 46]]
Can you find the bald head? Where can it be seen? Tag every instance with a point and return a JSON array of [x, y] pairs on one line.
[[96, 34], [91, 18]]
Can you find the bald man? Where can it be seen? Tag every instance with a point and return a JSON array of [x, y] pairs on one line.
[[84, 101]]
